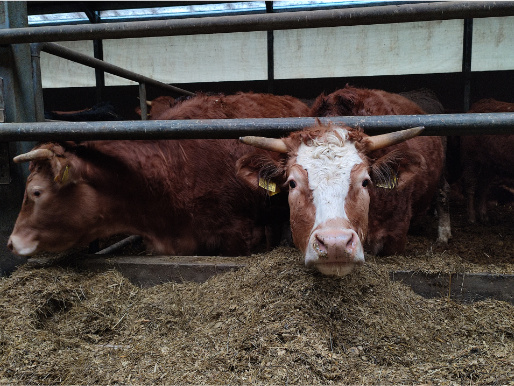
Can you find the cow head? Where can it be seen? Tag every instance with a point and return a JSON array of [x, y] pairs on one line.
[[56, 212], [328, 173]]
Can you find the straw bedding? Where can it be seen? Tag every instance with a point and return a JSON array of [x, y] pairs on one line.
[[273, 321]]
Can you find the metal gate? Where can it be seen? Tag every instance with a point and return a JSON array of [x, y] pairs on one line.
[[21, 101]]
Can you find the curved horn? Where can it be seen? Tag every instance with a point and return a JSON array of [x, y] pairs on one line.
[[38, 154], [384, 140], [149, 103], [273, 144]]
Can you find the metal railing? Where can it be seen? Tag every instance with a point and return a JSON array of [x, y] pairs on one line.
[[437, 124], [66, 53], [456, 124], [262, 22]]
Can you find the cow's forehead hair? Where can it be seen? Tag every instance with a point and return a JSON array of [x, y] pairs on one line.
[[329, 161], [332, 148]]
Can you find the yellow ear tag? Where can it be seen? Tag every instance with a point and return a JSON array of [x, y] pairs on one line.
[[390, 184], [270, 186], [65, 175]]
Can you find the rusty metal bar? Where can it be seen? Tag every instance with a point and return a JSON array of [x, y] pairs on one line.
[[142, 101], [66, 53], [437, 124], [263, 22], [37, 85], [119, 245]]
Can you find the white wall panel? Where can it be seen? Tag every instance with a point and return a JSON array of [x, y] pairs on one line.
[[382, 49], [493, 44], [57, 72], [388, 49], [195, 58]]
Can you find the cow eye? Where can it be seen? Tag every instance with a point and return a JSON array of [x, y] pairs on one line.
[[37, 193], [292, 184], [365, 182]]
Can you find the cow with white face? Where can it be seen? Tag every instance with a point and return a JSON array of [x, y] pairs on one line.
[[328, 174]]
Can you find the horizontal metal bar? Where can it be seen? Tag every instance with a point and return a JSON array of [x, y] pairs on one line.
[[66, 53], [262, 22], [437, 124]]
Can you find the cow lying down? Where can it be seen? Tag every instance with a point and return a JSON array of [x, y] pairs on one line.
[[336, 177], [182, 196]]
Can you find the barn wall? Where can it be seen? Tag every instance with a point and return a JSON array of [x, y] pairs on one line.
[[493, 44], [196, 58], [61, 73], [381, 49], [354, 51]]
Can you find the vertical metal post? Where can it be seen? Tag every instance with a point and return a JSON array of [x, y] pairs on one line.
[[18, 95], [466, 62], [98, 52], [142, 101], [37, 84], [5, 172], [271, 59]]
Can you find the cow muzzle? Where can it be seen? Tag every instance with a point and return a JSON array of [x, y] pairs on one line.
[[334, 251], [22, 247]]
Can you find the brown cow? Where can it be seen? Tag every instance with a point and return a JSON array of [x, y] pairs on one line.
[[487, 161], [331, 180], [182, 196], [240, 105], [180, 202], [424, 155], [246, 105]]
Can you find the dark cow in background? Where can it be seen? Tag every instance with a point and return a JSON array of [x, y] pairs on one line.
[[103, 111], [487, 162], [182, 196], [332, 174], [426, 99], [419, 163]]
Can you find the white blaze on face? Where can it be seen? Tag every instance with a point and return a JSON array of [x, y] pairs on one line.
[[333, 247], [329, 163]]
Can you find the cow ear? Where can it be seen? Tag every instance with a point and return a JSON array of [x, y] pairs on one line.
[[62, 170], [396, 169], [64, 176], [385, 171], [262, 169], [345, 101], [410, 170], [320, 106]]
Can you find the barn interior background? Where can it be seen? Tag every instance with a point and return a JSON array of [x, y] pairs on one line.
[[463, 51], [463, 54], [438, 54]]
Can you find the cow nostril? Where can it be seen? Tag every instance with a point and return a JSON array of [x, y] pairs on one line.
[[9, 244], [350, 245], [320, 247]]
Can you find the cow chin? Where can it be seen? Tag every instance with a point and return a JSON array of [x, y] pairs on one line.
[[335, 269]]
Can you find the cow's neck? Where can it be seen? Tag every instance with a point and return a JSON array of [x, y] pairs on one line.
[[128, 179]]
